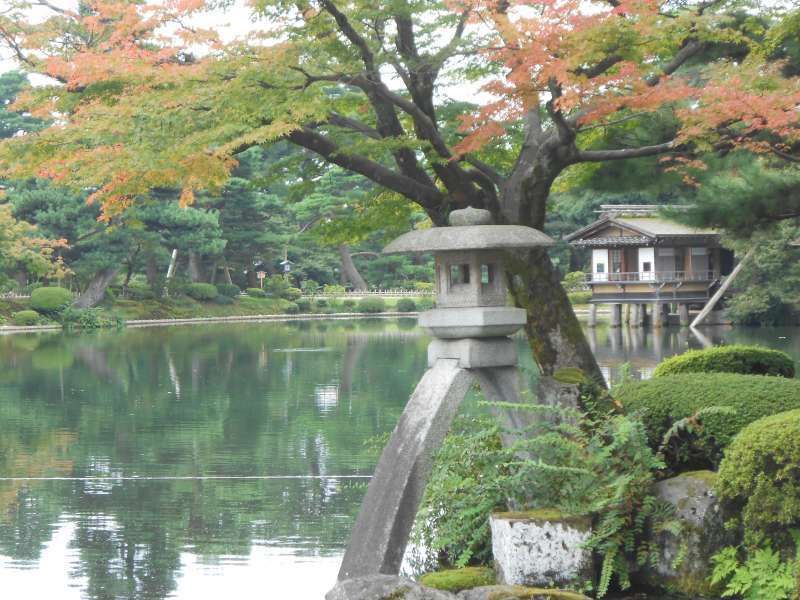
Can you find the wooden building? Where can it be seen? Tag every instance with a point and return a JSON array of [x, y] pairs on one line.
[[640, 258]]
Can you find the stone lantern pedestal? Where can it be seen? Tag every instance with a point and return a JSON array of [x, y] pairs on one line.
[[471, 325]]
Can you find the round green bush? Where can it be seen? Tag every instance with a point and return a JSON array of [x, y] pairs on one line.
[[138, 290], [304, 305], [229, 290], [747, 360], [292, 309], [25, 318], [201, 291], [759, 478], [579, 297], [256, 292], [425, 304], [371, 305], [664, 401], [349, 304], [406, 305], [291, 293], [50, 300], [223, 300], [322, 303]]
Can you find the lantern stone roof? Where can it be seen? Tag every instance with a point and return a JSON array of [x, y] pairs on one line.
[[469, 230]]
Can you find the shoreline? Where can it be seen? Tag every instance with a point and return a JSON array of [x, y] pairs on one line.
[[141, 323]]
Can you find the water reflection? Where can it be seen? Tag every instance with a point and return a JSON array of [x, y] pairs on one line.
[[133, 464]]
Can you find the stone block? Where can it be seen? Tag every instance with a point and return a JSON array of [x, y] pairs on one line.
[[541, 548], [517, 592], [383, 587], [473, 353], [702, 536], [475, 322]]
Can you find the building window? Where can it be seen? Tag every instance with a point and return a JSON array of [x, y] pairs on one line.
[[459, 274], [647, 267], [600, 268], [616, 260], [487, 274]]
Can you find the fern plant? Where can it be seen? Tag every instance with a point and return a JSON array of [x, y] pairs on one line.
[[763, 574]]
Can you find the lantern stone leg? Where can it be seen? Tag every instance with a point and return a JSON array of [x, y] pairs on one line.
[[381, 531]]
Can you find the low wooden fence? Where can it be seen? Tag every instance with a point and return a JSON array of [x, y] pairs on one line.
[[391, 293]]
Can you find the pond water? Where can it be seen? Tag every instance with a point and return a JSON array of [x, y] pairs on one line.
[[221, 460]]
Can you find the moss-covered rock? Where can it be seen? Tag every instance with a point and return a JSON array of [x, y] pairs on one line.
[[518, 592], [455, 580]]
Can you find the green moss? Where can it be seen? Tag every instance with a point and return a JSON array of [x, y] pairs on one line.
[[746, 360], [455, 580], [546, 515], [709, 477], [518, 592]]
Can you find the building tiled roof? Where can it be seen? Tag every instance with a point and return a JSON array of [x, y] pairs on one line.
[[618, 240], [657, 226]]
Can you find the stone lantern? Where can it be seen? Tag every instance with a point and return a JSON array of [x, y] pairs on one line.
[[470, 325], [471, 290]]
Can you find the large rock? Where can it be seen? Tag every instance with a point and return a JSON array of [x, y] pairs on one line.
[[684, 564], [541, 548], [384, 587], [517, 592]]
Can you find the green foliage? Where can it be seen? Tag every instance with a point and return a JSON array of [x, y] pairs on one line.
[[291, 309], [763, 574], [304, 305], [50, 300], [423, 286], [25, 318], [406, 305], [455, 580], [256, 292], [228, 289], [223, 300], [747, 360], [333, 290], [579, 297], [276, 286], [663, 401], [323, 303], [371, 304], [575, 281], [425, 304], [201, 291], [569, 462], [138, 290], [89, 318], [309, 286], [760, 480], [291, 293], [348, 304]]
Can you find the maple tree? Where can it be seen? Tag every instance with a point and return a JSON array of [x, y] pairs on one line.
[[145, 97]]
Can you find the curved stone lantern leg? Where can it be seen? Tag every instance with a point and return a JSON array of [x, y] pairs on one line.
[[380, 535]]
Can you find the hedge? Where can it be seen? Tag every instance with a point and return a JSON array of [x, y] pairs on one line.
[[304, 305], [291, 308], [752, 360], [231, 290], [666, 400], [50, 300], [406, 305], [759, 477], [579, 297], [371, 305], [201, 291], [256, 292], [25, 318]]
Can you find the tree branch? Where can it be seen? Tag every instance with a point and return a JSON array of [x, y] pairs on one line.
[[425, 196], [488, 171], [351, 34], [624, 153], [354, 125]]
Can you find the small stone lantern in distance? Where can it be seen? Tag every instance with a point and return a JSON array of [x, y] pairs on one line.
[[471, 289]]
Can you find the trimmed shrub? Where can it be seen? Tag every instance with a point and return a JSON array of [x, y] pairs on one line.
[[223, 300], [406, 305], [50, 300], [759, 478], [90, 318], [747, 360], [291, 293], [291, 309], [276, 286], [456, 580], [372, 304], [423, 286], [138, 290], [256, 292], [309, 286], [349, 304], [25, 318], [665, 401], [579, 297], [322, 303], [201, 291], [304, 305], [333, 290], [425, 304], [229, 290]]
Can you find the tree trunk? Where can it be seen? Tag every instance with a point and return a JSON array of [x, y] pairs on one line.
[[21, 278], [349, 270], [195, 273], [226, 270], [151, 273], [96, 289]]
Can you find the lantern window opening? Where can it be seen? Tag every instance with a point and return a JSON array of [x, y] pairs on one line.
[[459, 274], [487, 274]]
